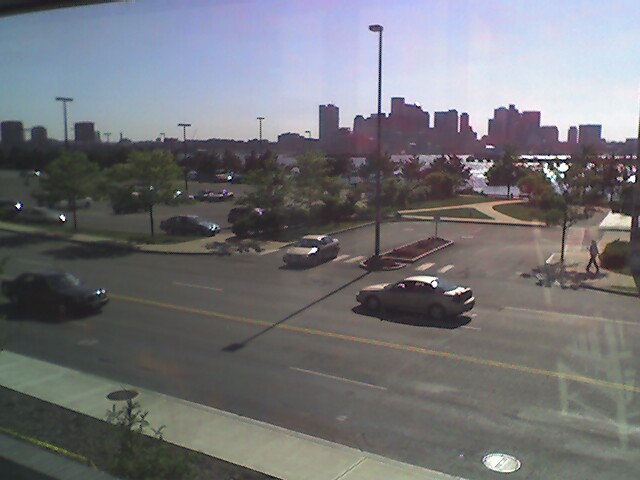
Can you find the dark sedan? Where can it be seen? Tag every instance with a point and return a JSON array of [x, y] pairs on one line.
[[189, 225], [57, 292]]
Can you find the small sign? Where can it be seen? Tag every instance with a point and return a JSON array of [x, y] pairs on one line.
[[436, 218]]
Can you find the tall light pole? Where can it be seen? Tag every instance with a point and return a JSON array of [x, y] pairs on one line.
[[375, 263], [260, 119], [184, 139], [64, 101], [563, 168], [108, 135]]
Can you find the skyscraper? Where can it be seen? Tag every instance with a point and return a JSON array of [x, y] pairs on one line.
[[445, 130], [85, 132], [12, 133], [590, 135], [329, 124], [39, 135]]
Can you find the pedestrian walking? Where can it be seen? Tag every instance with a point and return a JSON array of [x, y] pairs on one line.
[[594, 253]]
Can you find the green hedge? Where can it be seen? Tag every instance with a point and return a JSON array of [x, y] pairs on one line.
[[614, 256]]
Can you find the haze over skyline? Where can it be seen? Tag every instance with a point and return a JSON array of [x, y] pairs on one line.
[[143, 67]]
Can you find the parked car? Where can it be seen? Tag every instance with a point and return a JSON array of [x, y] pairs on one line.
[[213, 195], [85, 202], [59, 292], [189, 225], [312, 250], [434, 296], [41, 215], [127, 200], [9, 209]]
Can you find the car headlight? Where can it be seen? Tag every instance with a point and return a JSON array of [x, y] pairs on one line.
[[18, 206], [313, 251], [62, 217]]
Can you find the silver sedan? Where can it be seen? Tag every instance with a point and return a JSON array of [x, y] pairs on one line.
[[423, 294], [312, 250]]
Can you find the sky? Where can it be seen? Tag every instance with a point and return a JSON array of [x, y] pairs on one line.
[[142, 67]]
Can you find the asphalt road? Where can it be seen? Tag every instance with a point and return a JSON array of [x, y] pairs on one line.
[[545, 374]]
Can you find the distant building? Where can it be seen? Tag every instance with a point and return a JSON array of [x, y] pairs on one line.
[[445, 130], [85, 132], [549, 139], [590, 135], [294, 143], [572, 136], [12, 132], [329, 125], [39, 135]]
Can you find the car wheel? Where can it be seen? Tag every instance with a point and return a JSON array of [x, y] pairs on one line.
[[437, 312], [372, 303]]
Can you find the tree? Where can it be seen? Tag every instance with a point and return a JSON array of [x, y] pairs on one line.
[[582, 176], [339, 165], [231, 162], [451, 166], [152, 174], [71, 176], [504, 171], [412, 169]]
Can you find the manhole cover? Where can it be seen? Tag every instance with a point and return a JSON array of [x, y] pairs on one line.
[[501, 462], [120, 395]]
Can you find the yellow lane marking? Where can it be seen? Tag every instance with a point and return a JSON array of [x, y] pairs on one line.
[[382, 343]]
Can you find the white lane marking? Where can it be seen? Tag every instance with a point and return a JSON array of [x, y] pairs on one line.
[[424, 266], [35, 262], [341, 379], [408, 229], [467, 237], [445, 269], [339, 258], [469, 327], [354, 259], [550, 259], [203, 287], [548, 313]]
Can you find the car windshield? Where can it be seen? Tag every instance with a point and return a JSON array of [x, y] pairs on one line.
[[307, 243], [491, 144], [63, 281]]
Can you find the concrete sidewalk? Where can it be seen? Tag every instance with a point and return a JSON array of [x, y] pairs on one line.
[[256, 445], [486, 208]]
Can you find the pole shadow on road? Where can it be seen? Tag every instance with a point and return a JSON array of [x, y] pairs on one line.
[[234, 347], [415, 320]]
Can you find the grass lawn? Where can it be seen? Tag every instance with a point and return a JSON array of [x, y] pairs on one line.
[[521, 211], [459, 213]]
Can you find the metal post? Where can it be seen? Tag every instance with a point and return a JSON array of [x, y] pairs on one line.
[[260, 119], [564, 227], [376, 259], [64, 101], [184, 137]]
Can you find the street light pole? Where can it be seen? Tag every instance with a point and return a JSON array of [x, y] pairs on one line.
[[184, 138], [64, 101], [563, 168], [260, 119], [376, 257]]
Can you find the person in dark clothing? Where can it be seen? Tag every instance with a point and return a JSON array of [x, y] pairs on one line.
[[593, 255]]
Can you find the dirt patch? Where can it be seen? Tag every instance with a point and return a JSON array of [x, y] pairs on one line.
[[414, 251]]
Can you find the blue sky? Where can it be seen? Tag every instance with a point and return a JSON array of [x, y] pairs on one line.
[[142, 67]]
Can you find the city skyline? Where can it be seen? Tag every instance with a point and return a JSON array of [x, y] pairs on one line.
[[142, 67]]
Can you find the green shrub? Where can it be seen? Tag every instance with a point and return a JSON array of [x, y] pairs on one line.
[[614, 256]]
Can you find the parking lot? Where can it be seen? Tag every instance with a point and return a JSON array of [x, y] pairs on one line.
[[100, 215]]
